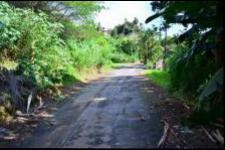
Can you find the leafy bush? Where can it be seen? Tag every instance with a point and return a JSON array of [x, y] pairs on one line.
[[187, 77], [125, 50], [122, 57], [36, 50], [41, 54], [31, 43], [127, 46]]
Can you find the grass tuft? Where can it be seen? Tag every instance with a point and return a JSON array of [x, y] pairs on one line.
[[159, 77]]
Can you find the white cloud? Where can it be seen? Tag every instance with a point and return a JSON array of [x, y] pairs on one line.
[[119, 10]]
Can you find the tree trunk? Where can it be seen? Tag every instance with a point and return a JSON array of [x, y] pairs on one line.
[[165, 49]]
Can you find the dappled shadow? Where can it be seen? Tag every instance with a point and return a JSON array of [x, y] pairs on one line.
[[69, 79], [22, 127]]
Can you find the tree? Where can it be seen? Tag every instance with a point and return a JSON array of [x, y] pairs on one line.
[[150, 48], [203, 37], [61, 10], [126, 28], [196, 14], [164, 28]]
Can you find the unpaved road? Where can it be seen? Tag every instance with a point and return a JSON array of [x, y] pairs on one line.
[[114, 112]]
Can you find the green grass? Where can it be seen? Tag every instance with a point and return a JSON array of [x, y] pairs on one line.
[[159, 77], [162, 79]]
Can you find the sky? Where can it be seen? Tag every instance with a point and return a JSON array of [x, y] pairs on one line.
[[117, 11]]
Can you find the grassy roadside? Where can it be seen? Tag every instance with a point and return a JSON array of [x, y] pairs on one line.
[[159, 77], [83, 76], [59, 92], [162, 79]]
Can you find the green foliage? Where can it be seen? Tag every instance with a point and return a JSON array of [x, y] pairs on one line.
[[159, 77], [118, 57], [185, 12], [48, 53], [91, 53], [126, 46], [79, 32], [63, 10], [32, 43], [84, 10], [46, 47], [195, 69], [126, 28], [187, 77], [150, 48], [214, 84], [127, 41]]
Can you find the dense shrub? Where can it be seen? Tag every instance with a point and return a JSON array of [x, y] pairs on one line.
[[33, 43], [46, 53], [187, 77]]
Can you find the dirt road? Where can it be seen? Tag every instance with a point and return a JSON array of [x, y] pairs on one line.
[[114, 112]]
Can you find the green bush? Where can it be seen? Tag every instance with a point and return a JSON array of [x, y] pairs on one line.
[[41, 54], [47, 53], [125, 50], [33, 42], [187, 77], [122, 57]]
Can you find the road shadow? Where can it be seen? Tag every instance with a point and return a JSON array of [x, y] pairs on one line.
[[130, 66]]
